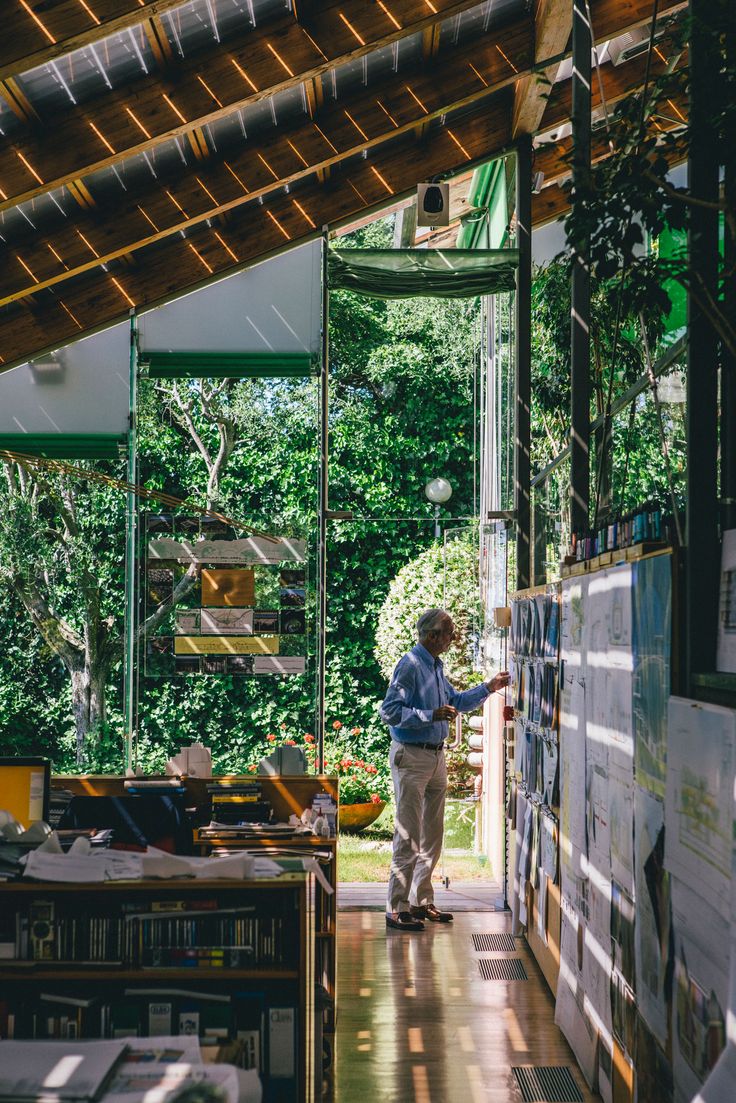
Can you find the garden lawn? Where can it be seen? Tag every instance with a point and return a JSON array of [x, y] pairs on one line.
[[367, 857]]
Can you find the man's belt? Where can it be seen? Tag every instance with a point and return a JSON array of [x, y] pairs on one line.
[[426, 746]]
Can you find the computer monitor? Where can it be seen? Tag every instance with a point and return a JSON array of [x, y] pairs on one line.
[[24, 788]]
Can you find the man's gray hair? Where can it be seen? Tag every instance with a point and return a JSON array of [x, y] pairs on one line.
[[430, 621]]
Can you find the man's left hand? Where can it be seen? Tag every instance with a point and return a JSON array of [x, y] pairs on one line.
[[499, 681]]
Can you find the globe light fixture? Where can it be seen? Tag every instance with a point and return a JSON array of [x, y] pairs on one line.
[[438, 491]]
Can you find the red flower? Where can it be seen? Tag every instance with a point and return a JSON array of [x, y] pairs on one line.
[[337, 724], [252, 769], [356, 731], [271, 738], [375, 799], [289, 743], [309, 739], [282, 726]]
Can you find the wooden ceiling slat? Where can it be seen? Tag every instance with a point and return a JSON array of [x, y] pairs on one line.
[[407, 101], [207, 87], [48, 31], [553, 26], [253, 232]]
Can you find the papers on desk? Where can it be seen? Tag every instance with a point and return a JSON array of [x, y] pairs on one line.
[[57, 1070], [130, 1070]]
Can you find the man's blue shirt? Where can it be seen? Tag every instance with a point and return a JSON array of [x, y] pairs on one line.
[[418, 687]]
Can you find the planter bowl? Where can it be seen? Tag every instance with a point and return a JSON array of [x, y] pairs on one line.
[[356, 817]]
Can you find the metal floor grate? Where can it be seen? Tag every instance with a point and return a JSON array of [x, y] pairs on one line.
[[502, 968], [498, 941], [547, 1084]]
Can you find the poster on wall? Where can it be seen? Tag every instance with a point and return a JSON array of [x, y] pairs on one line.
[[217, 603], [699, 804], [653, 926], [571, 1014], [608, 716], [700, 996], [652, 629], [573, 701], [726, 654]]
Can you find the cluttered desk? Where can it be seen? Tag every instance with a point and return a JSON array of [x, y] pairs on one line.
[[152, 908]]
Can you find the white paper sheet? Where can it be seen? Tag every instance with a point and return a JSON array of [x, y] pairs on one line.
[[699, 804], [570, 1013], [156, 1082], [726, 654], [652, 929]]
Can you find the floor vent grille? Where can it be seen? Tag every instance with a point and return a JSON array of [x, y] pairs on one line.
[[500, 942], [547, 1084], [502, 968]]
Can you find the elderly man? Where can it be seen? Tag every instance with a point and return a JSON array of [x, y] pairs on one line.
[[419, 703]]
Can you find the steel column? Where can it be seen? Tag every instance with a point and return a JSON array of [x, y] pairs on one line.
[[580, 290], [702, 567], [131, 543], [728, 359], [523, 356], [324, 377]]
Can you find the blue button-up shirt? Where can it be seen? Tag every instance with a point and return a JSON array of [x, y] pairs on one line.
[[418, 687]]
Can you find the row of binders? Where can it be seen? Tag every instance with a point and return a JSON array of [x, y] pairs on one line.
[[535, 627], [535, 689], [208, 937]]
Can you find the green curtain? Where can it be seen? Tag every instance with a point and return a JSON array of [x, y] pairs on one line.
[[411, 273]]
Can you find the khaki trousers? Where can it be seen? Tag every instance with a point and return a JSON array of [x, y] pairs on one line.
[[420, 784]]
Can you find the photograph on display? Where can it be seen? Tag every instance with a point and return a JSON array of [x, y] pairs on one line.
[[242, 607], [652, 617], [233, 587], [293, 622]]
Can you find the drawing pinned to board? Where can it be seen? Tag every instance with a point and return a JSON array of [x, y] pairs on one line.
[[653, 929], [570, 1012], [652, 629], [726, 655], [699, 804]]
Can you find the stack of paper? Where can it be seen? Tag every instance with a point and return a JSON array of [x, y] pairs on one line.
[[57, 1070]]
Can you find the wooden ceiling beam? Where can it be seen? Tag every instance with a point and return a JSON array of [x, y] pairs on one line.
[[552, 29], [164, 270], [36, 32], [409, 100], [209, 86]]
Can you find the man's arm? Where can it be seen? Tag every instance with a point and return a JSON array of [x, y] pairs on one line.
[[397, 709], [470, 699]]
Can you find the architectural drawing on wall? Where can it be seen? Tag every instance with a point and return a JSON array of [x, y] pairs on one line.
[[700, 989], [652, 627], [726, 657], [240, 602], [652, 930], [571, 1015], [699, 804]]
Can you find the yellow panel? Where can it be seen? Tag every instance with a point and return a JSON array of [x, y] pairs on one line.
[[22, 791], [232, 586], [226, 645]]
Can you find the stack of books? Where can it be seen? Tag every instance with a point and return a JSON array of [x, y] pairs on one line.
[[239, 802]]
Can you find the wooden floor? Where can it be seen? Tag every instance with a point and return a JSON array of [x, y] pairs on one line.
[[418, 1024]]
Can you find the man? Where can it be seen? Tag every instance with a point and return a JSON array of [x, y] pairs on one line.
[[419, 703]]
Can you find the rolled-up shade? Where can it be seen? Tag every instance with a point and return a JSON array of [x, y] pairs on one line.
[[411, 273]]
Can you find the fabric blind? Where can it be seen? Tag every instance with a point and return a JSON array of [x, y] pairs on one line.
[[411, 273]]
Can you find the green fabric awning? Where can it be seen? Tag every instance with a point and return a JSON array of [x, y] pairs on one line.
[[65, 446], [411, 273], [229, 365]]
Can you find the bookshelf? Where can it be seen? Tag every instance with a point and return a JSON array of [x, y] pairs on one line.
[[325, 910], [230, 961]]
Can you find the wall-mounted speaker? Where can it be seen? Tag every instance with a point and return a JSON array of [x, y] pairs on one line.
[[433, 204]]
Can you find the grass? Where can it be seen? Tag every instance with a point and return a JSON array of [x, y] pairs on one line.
[[367, 856]]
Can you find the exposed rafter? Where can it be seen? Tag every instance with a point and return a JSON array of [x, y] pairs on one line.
[[552, 28], [208, 87], [35, 32], [407, 101]]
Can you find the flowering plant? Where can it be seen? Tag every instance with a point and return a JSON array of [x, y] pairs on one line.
[[361, 782]]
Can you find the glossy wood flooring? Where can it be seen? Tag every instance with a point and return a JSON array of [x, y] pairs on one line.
[[418, 1024]]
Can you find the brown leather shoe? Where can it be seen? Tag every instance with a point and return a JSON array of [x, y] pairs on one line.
[[403, 921], [430, 912]]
